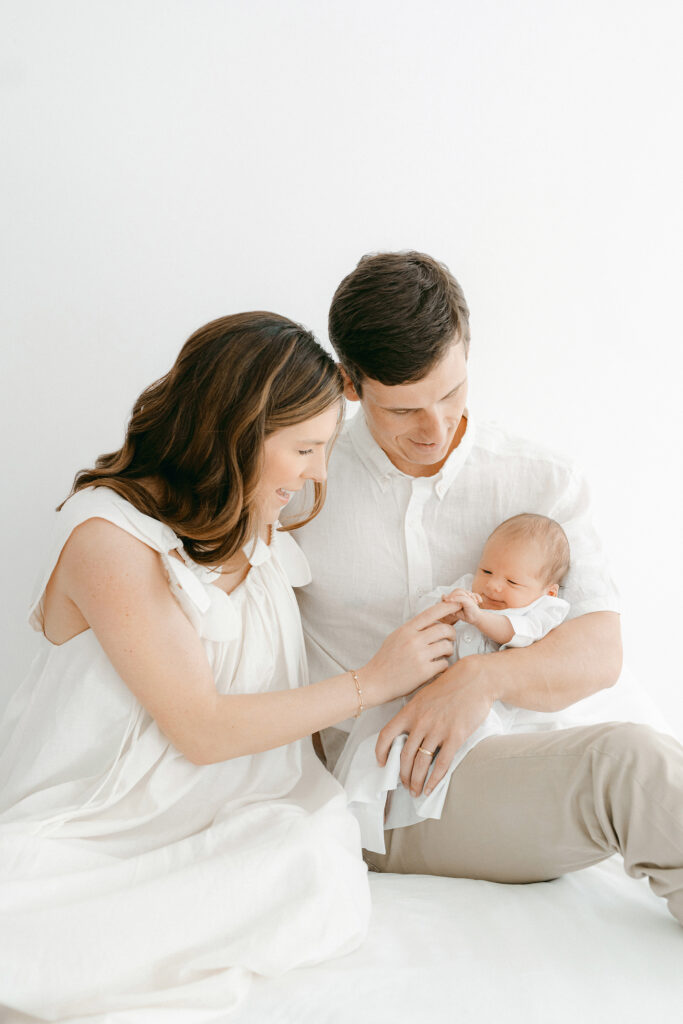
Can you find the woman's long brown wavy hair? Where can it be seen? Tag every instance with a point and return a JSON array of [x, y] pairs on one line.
[[193, 450]]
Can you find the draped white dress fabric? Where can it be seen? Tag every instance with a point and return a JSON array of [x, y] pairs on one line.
[[132, 879]]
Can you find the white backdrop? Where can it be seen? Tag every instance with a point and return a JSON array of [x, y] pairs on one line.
[[169, 161]]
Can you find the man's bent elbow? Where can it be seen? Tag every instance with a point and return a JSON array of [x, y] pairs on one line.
[[612, 648]]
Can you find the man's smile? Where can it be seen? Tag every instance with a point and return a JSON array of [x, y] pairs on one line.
[[428, 445]]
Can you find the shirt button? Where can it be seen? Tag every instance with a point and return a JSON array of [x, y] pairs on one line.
[[467, 638], [421, 591]]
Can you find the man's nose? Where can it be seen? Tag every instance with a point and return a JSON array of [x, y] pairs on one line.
[[432, 425]]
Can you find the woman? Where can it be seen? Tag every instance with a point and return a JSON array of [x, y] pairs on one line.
[[164, 830]]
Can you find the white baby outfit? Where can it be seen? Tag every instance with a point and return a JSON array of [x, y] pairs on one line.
[[368, 784], [529, 623], [132, 879]]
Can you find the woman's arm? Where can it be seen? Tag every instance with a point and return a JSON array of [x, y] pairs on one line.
[[120, 588]]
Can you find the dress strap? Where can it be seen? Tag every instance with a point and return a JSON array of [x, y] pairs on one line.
[[98, 503]]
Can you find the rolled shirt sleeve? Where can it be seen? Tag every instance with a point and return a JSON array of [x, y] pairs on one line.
[[588, 586]]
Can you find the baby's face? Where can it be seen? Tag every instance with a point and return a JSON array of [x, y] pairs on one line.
[[510, 573]]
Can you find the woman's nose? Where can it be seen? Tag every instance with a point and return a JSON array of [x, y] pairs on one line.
[[317, 468]]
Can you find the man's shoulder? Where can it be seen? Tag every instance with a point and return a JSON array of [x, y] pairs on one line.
[[493, 441]]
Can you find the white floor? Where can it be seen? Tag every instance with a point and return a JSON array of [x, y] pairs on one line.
[[591, 947]]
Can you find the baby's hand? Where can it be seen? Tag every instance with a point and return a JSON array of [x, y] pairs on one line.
[[466, 606]]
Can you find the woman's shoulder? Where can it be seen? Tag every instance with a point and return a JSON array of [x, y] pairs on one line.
[[104, 503], [82, 530]]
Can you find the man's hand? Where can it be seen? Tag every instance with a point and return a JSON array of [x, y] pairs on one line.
[[441, 715]]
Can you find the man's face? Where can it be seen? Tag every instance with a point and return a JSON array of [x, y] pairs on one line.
[[417, 425]]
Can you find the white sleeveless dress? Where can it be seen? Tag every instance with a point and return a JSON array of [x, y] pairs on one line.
[[131, 879]]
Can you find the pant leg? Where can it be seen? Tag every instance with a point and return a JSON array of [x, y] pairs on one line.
[[533, 806]]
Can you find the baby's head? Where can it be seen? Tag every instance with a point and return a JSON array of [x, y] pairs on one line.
[[523, 559]]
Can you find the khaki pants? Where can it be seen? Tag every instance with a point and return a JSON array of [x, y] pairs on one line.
[[530, 807]]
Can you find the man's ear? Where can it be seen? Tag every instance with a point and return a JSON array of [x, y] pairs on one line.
[[350, 392]]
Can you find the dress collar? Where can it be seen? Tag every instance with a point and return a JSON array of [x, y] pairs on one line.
[[257, 551], [381, 467]]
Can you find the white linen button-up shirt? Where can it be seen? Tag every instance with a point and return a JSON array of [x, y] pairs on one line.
[[385, 539]]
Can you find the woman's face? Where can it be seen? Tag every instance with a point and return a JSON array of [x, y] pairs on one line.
[[292, 456]]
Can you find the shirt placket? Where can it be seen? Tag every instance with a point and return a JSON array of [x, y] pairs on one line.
[[419, 562]]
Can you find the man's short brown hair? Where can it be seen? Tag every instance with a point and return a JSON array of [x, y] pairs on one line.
[[394, 316]]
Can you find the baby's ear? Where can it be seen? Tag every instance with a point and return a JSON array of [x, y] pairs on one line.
[[554, 590]]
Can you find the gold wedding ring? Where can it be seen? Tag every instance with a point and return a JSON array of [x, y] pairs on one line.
[[423, 750]]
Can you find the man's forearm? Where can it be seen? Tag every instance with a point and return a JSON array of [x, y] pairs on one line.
[[573, 661]]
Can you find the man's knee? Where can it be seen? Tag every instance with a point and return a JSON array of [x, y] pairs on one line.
[[637, 746], [626, 736]]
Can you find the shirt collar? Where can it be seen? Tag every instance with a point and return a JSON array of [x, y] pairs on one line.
[[383, 469]]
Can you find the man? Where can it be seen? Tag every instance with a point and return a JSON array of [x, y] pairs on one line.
[[415, 487]]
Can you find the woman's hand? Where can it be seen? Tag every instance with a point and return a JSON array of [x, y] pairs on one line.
[[412, 654]]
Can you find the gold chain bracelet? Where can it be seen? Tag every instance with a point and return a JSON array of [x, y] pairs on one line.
[[361, 706]]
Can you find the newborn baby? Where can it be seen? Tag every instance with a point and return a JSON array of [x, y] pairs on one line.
[[510, 601], [512, 598]]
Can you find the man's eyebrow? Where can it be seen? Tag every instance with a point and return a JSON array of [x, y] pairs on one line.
[[408, 408]]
